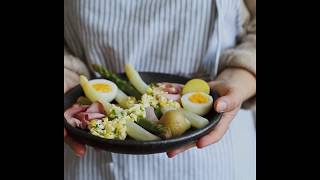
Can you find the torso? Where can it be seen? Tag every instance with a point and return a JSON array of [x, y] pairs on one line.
[[170, 36]]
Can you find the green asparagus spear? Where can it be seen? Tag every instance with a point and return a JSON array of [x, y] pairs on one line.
[[158, 112], [125, 86], [155, 128]]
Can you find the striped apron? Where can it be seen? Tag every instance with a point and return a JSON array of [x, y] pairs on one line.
[[183, 37]]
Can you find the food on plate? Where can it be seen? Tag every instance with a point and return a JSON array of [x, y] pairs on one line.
[[140, 134], [195, 120], [176, 122], [197, 102], [171, 88], [83, 101], [196, 85], [156, 128], [80, 115], [135, 79], [125, 86], [151, 114], [99, 91], [104, 128], [124, 100], [114, 108]]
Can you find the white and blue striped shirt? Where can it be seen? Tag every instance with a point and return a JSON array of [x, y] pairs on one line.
[[183, 37]]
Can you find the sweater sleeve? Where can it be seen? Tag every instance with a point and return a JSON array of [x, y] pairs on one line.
[[73, 68], [74, 64], [244, 54]]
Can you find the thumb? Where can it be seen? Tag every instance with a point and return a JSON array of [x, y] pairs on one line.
[[228, 102]]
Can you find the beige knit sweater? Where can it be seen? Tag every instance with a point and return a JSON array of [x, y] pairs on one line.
[[242, 56]]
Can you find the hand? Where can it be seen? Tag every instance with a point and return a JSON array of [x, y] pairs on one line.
[[78, 148], [234, 86], [71, 79]]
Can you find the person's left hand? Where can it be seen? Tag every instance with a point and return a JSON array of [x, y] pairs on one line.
[[234, 86]]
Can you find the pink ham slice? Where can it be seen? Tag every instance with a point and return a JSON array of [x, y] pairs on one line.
[[71, 112], [85, 116], [96, 108], [172, 88], [79, 115]]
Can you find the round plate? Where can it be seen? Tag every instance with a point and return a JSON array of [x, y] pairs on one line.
[[133, 146]]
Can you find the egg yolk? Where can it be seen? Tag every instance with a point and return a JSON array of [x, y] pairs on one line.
[[198, 98], [105, 88]]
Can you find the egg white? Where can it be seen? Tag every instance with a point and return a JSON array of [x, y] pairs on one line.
[[107, 96], [200, 109]]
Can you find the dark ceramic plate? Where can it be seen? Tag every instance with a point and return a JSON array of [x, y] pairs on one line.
[[133, 146]]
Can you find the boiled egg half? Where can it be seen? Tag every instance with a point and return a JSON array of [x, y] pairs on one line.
[[197, 102], [99, 89]]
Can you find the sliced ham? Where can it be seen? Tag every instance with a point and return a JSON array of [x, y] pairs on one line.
[[171, 88], [79, 115], [150, 114], [96, 108], [71, 112], [85, 116]]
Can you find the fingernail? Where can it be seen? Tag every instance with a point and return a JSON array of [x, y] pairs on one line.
[[170, 155], [201, 144], [80, 153], [221, 106]]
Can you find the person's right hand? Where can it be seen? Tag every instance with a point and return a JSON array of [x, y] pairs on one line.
[[71, 79]]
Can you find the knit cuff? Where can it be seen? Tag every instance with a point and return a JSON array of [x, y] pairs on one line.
[[244, 57]]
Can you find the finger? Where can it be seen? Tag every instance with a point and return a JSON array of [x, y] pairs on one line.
[[79, 149], [229, 102], [173, 153], [217, 134]]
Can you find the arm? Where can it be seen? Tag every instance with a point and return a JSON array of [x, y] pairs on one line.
[[73, 67], [243, 56], [236, 82]]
